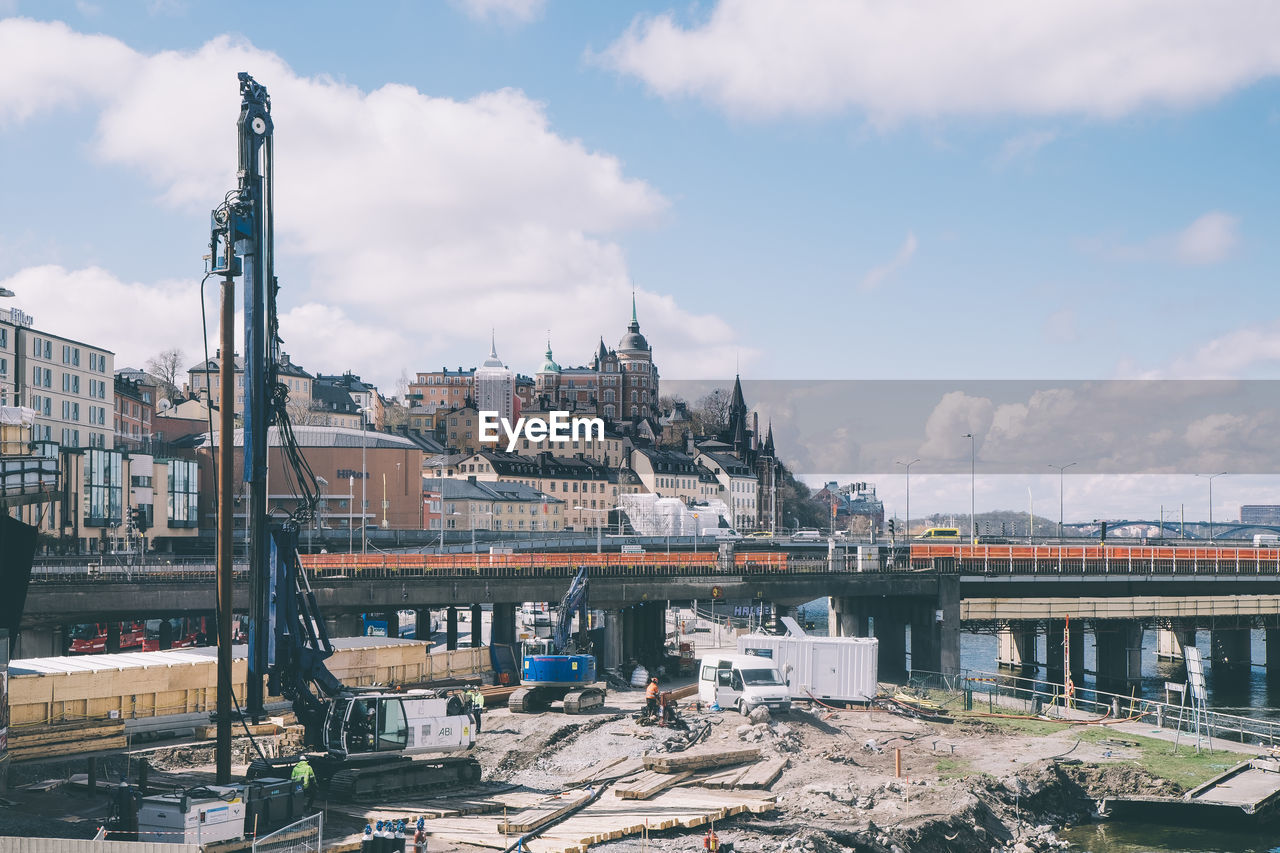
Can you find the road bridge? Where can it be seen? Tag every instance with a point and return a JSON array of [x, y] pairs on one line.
[[920, 596]]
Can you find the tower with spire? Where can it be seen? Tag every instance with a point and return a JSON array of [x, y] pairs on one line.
[[619, 385], [495, 384]]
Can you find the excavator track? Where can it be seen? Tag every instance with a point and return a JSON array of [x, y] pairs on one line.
[[528, 700], [584, 700], [390, 779]]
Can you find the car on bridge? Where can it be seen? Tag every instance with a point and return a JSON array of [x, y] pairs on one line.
[[759, 534]]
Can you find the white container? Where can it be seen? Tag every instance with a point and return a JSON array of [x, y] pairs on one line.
[[829, 669], [176, 819]]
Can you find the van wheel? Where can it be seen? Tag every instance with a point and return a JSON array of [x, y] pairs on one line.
[[742, 708]]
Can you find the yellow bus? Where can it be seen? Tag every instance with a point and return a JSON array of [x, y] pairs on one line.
[[941, 533]]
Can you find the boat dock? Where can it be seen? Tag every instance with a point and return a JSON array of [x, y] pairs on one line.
[[1248, 791]]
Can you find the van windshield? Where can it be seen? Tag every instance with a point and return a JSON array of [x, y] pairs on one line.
[[760, 677]]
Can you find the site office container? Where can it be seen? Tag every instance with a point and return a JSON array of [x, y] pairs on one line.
[[829, 669]]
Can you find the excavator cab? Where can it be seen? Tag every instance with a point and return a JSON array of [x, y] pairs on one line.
[[365, 724]]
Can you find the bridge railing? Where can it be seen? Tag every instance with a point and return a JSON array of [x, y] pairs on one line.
[[1096, 559], [1003, 692]]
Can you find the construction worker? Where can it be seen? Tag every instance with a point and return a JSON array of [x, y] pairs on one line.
[[303, 773], [476, 698], [651, 697]]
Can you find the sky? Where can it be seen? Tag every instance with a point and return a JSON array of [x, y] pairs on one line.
[[794, 189]]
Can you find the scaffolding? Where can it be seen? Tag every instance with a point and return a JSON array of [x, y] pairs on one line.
[[651, 515]]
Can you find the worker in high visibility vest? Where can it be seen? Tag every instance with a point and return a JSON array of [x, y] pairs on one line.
[[303, 773], [651, 697]]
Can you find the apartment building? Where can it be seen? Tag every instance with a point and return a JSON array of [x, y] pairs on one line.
[[69, 384], [738, 485], [451, 389], [135, 408], [672, 474], [469, 504], [204, 378]]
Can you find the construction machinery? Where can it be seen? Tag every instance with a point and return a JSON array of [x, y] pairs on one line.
[[561, 668], [361, 742]]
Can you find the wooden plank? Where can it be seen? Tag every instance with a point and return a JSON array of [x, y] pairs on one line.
[[647, 784], [724, 779], [595, 770], [762, 775], [699, 760], [543, 813], [63, 732], [55, 750]]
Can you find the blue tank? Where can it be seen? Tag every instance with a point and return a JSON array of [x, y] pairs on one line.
[[559, 670]]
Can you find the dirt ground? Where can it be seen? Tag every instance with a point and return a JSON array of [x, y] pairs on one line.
[[965, 785]]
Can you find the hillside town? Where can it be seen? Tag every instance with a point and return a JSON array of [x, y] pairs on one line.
[[128, 449]]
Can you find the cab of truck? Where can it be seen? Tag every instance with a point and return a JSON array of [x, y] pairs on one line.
[[744, 682]]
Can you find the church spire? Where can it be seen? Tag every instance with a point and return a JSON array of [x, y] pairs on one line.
[[493, 343], [633, 307]]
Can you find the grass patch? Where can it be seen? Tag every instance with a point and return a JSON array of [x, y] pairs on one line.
[[1014, 726], [952, 768], [1187, 767]]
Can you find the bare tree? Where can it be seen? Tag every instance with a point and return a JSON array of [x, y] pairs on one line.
[[167, 367], [712, 411]]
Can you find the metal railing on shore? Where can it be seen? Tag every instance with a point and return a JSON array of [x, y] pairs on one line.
[[1003, 692]]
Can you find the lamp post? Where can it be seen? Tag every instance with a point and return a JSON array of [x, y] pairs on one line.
[[599, 535], [973, 488], [364, 479], [1061, 469], [908, 467], [318, 521], [1210, 477], [351, 513]]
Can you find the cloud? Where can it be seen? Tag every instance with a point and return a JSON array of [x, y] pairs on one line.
[[894, 61], [1209, 239], [415, 222], [1060, 326], [502, 11], [135, 320], [1229, 356], [878, 274], [956, 415], [1024, 146]]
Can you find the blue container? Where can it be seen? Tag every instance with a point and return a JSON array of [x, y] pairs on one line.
[[559, 670]]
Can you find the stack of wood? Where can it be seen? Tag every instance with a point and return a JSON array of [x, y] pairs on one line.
[[71, 738]]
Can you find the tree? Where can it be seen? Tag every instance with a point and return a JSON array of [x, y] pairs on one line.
[[167, 368]]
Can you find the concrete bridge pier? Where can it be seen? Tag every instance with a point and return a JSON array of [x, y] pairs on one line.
[[476, 624], [848, 617], [1054, 649], [1229, 649], [891, 631], [1172, 640], [502, 630], [1016, 647], [451, 629], [392, 618], [1272, 641], [42, 643], [1119, 645], [422, 621], [343, 625], [926, 639]]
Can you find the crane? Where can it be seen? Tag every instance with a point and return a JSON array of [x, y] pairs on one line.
[[561, 673], [361, 742]]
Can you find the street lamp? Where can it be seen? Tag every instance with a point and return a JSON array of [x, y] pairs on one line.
[[364, 479], [1211, 476], [1061, 468], [317, 522], [908, 467], [599, 536], [351, 513], [973, 487]]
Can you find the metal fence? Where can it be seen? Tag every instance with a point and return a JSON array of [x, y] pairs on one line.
[[999, 692], [304, 836]]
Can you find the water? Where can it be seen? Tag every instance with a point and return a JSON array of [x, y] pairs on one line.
[[1247, 693], [1118, 837]]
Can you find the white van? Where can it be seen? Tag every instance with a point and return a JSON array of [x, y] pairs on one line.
[[808, 534], [744, 682], [726, 534], [1266, 540]]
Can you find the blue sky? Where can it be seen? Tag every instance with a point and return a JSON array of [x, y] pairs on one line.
[[801, 189]]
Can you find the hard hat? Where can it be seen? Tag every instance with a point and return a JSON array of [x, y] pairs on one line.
[[654, 679]]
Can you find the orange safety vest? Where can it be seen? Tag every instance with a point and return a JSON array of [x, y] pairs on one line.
[[652, 691]]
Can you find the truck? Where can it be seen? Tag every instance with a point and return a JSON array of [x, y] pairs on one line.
[[825, 669]]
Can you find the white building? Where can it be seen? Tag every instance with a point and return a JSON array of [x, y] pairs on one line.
[[495, 386]]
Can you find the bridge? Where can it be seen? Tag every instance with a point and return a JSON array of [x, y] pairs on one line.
[[1015, 590]]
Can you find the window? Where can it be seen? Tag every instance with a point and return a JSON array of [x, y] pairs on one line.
[[184, 488], [102, 487], [4, 338]]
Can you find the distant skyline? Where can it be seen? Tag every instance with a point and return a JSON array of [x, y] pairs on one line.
[[796, 189]]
